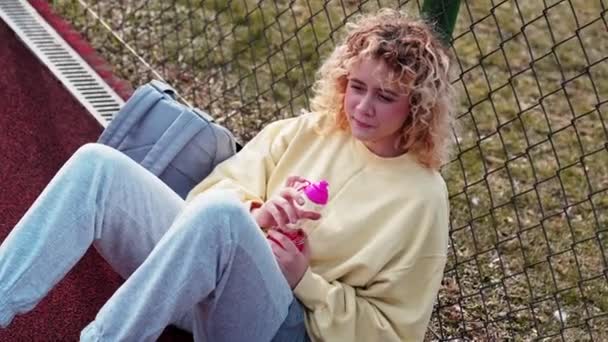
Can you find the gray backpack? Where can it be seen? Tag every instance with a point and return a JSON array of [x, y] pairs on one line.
[[178, 144]]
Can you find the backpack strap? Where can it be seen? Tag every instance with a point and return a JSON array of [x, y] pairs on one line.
[[174, 139], [144, 98], [163, 87]]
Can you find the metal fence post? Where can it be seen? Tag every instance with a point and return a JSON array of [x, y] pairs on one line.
[[444, 14]]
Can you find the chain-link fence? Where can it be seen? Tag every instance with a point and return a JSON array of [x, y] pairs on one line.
[[528, 182]]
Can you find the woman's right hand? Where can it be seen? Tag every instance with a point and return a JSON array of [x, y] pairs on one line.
[[284, 207]]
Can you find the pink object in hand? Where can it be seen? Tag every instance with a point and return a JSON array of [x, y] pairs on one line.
[[297, 236], [318, 192], [316, 196]]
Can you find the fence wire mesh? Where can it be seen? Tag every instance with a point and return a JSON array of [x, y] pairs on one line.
[[528, 181]]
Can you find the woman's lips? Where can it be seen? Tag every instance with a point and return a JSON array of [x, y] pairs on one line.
[[362, 124]]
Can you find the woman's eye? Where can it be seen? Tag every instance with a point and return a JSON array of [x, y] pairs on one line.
[[385, 98], [356, 87]]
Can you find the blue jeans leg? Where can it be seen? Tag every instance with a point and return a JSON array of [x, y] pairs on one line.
[[293, 328], [102, 197], [213, 258], [99, 196]]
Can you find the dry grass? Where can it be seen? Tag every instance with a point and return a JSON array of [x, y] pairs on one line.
[[529, 179]]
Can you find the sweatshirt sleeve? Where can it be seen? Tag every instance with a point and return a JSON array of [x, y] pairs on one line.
[[397, 306], [247, 172]]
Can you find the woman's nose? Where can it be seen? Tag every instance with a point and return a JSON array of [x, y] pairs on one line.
[[365, 105]]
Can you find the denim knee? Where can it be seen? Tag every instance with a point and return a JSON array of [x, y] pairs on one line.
[[222, 211], [97, 153]]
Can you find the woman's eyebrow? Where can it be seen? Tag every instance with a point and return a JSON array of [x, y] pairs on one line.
[[388, 91]]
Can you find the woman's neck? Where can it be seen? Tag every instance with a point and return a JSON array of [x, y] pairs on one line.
[[384, 150]]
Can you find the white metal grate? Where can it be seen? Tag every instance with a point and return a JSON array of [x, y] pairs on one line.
[[65, 63]]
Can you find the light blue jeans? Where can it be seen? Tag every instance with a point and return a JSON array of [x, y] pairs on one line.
[[205, 266]]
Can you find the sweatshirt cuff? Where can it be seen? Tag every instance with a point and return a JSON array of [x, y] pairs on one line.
[[312, 290]]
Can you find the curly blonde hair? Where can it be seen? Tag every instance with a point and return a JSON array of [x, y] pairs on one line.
[[418, 61]]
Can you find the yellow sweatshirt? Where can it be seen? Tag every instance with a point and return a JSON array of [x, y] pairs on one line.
[[378, 252]]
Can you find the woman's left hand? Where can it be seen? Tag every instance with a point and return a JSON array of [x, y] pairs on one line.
[[292, 262]]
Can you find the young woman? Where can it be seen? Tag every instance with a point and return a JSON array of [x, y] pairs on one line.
[[218, 263]]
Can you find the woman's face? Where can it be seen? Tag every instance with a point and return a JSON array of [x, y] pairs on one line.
[[375, 108]]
